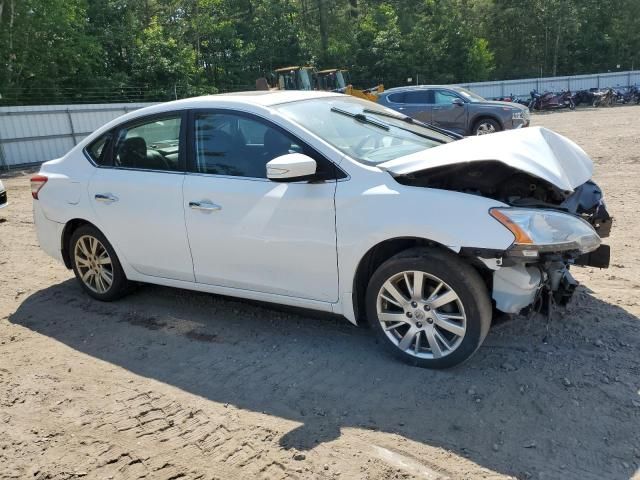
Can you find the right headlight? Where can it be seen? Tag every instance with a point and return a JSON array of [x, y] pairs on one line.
[[547, 230]]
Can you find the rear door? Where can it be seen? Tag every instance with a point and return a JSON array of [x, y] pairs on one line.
[[413, 103], [419, 104], [446, 114], [136, 194]]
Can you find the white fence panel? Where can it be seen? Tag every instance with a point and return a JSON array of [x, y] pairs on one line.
[[523, 87], [35, 134]]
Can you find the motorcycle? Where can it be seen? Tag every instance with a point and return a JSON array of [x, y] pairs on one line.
[[551, 101], [606, 98], [583, 96], [631, 95]]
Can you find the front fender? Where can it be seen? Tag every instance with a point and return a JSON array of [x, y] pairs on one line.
[[371, 215]]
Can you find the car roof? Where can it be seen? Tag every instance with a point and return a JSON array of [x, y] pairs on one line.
[[255, 98], [265, 98], [420, 87]]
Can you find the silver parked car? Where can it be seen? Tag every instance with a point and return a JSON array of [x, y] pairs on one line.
[[455, 109]]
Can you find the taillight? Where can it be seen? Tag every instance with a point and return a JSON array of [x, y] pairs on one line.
[[37, 183]]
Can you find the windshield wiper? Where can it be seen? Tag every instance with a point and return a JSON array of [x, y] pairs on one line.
[[413, 121], [361, 118]]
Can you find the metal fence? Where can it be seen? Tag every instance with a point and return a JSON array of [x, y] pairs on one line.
[[34, 134], [523, 87]]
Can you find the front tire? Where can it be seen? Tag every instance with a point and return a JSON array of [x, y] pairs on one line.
[[429, 308], [486, 126], [96, 265]]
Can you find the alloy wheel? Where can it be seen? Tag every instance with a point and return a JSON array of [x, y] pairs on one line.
[[421, 315], [484, 128], [94, 264]]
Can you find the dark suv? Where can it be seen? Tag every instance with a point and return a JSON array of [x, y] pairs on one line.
[[455, 108]]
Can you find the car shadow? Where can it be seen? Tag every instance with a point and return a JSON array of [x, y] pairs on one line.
[[557, 397]]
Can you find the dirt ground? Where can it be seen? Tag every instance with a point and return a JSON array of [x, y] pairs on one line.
[[172, 384]]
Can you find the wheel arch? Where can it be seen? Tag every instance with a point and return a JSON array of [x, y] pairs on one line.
[[70, 227], [376, 256], [485, 116]]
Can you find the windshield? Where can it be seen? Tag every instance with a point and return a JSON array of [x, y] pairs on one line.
[[469, 95], [305, 79], [353, 127]]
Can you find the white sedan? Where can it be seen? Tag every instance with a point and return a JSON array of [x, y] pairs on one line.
[[327, 202]]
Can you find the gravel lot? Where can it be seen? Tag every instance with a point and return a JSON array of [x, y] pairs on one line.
[[172, 384]]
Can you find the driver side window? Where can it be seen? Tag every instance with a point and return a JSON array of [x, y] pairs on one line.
[[238, 146], [444, 97]]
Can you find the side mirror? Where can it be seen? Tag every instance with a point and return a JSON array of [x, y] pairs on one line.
[[291, 167], [458, 101]]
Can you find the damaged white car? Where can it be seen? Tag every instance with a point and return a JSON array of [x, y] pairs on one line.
[[328, 202]]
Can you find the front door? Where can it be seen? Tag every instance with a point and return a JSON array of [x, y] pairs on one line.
[[136, 195], [246, 231], [446, 114]]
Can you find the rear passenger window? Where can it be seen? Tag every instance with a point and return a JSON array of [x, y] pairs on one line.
[[97, 150], [154, 145], [396, 97], [418, 96]]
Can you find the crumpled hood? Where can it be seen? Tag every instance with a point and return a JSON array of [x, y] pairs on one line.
[[534, 150]]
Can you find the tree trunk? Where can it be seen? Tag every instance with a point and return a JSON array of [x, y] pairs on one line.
[[354, 8], [324, 31]]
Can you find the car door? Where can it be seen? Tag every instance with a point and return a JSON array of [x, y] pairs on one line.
[[251, 233], [413, 103], [447, 114], [136, 194]]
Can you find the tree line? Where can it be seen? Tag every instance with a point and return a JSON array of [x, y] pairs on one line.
[[95, 50]]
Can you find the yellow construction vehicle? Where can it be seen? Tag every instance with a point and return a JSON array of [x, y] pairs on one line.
[[332, 80], [289, 78], [338, 80], [367, 94], [307, 78]]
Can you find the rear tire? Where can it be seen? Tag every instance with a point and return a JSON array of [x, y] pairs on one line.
[[443, 323], [96, 265]]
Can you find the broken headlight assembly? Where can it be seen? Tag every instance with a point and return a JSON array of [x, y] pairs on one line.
[[538, 231]]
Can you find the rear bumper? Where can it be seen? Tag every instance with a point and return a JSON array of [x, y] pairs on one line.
[[49, 233]]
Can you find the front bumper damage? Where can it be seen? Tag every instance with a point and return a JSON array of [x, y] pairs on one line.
[[520, 284], [535, 286]]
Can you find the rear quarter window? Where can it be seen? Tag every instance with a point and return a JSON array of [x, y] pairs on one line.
[[396, 97], [97, 149]]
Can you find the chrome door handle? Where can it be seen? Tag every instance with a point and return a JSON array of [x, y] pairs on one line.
[[205, 205], [106, 197]]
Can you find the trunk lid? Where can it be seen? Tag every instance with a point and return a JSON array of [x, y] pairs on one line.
[[535, 150]]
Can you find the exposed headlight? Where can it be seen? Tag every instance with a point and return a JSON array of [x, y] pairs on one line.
[[547, 230]]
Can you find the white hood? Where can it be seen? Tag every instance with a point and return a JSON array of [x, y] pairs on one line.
[[535, 150]]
